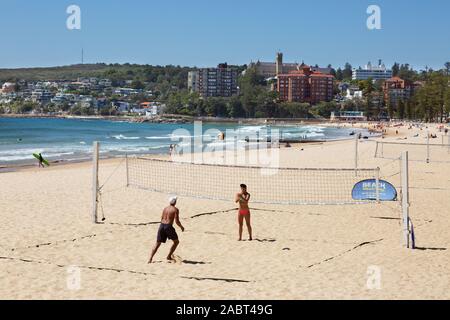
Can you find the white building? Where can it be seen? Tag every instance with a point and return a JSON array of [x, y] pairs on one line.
[[348, 116], [193, 85], [369, 71], [41, 96], [353, 93], [105, 83], [8, 87], [127, 91]]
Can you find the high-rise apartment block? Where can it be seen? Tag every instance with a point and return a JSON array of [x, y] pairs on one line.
[[214, 82]]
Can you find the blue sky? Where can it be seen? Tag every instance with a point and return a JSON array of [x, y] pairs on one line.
[[207, 32]]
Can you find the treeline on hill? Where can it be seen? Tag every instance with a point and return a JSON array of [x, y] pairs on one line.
[[256, 100], [431, 102], [159, 79]]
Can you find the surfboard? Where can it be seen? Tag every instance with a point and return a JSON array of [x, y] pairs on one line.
[[43, 160]]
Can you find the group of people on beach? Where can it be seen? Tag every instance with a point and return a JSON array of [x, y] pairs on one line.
[[171, 215]]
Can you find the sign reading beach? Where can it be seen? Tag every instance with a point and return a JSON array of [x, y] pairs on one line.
[[366, 190]]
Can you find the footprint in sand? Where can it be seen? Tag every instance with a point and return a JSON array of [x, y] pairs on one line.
[[176, 260]]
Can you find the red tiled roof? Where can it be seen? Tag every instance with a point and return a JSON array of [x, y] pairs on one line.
[[395, 79]]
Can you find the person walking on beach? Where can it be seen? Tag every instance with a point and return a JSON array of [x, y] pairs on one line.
[[243, 198], [167, 231], [41, 160]]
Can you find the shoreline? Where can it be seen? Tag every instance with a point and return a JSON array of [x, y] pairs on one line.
[[84, 157], [171, 118], [16, 167]]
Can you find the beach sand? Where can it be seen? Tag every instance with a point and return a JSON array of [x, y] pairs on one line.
[[50, 249]]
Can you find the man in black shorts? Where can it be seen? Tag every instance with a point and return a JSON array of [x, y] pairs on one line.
[[167, 231]]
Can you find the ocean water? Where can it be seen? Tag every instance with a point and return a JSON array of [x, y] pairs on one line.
[[72, 139]]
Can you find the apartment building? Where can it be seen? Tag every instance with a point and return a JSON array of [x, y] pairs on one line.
[[305, 85], [396, 89], [214, 82]]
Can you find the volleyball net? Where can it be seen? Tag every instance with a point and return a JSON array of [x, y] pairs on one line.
[[267, 185], [424, 152], [289, 186]]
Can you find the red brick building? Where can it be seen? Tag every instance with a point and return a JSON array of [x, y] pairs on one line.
[[396, 89], [305, 85]]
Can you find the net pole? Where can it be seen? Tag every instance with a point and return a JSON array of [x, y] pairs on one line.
[[356, 155], [376, 150], [377, 187], [95, 181], [405, 198], [428, 147], [448, 143], [127, 170]]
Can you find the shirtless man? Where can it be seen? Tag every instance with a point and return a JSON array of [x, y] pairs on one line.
[[166, 229], [243, 198]]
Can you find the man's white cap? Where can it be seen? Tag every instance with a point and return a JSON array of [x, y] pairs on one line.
[[173, 200]]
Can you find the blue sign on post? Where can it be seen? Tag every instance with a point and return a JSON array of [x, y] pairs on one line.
[[366, 190]]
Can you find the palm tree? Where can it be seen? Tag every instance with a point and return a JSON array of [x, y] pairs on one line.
[[447, 67]]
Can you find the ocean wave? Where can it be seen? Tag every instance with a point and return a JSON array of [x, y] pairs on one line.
[[122, 137], [172, 136], [22, 157], [158, 138], [15, 158]]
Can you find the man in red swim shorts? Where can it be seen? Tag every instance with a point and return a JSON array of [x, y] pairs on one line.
[[243, 198]]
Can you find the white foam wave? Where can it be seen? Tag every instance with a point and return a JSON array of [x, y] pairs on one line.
[[122, 137]]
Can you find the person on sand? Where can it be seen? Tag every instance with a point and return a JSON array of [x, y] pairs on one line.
[[41, 161], [167, 231], [243, 198]]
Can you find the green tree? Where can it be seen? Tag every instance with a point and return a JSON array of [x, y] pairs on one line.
[[324, 109], [137, 84], [234, 107], [368, 90], [389, 107], [401, 109], [339, 74], [395, 69], [348, 72]]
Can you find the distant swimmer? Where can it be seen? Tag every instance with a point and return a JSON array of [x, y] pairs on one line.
[[19, 140], [243, 199], [167, 231]]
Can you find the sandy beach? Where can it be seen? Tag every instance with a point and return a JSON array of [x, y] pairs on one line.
[[299, 252]]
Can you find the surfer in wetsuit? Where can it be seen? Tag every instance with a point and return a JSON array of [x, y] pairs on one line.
[[243, 198], [166, 230], [41, 161]]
